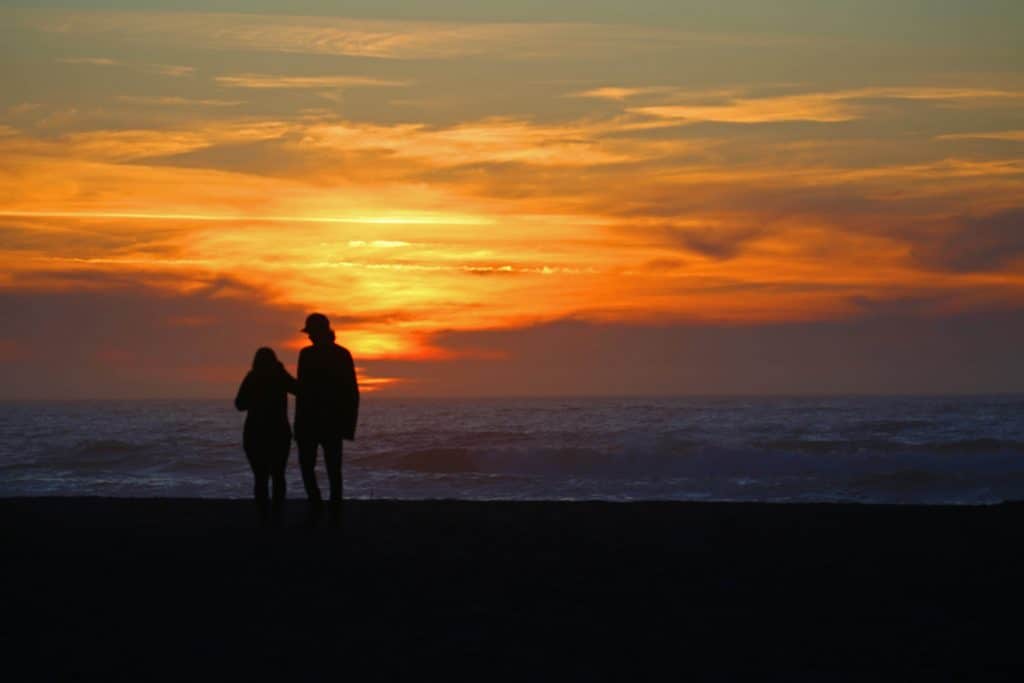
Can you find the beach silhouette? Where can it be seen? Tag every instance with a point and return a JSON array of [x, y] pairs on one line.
[[326, 406], [326, 412], [267, 436]]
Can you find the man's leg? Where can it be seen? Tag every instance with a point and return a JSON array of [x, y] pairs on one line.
[[307, 462], [332, 458]]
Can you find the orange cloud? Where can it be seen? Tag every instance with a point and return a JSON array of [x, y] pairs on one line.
[[92, 61], [619, 94], [1011, 135], [815, 107], [173, 101], [823, 107], [404, 228], [268, 82]]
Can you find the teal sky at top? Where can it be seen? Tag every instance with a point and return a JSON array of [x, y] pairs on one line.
[[820, 45], [959, 35], [994, 17]]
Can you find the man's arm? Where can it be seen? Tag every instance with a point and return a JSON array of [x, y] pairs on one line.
[[352, 382], [351, 387]]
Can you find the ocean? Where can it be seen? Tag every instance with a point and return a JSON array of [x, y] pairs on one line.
[[908, 450]]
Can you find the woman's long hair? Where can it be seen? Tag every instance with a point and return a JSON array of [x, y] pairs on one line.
[[265, 361]]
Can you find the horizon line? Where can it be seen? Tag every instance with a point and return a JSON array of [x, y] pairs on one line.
[[436, 397]]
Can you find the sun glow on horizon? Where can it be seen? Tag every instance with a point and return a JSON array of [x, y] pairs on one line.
[[421, 179]]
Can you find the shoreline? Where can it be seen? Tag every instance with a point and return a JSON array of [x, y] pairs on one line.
[[106, 513], [77, 498]]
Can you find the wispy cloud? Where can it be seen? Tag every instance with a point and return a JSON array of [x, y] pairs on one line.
[[174, 101], [823, 107], [126, 145], [619, 93], [379, 244], [173, 70], [980, 96], [494, 141], [815, 107], [978, 244], [1010, 135], [268, 82], [384, 38], [22, 108], [92, 61]]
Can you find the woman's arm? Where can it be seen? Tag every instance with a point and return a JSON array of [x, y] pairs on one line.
[[291, 385]]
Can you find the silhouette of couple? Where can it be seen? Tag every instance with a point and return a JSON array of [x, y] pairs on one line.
[[326, 409]]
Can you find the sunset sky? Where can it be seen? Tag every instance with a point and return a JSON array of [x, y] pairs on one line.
[[487, 198]]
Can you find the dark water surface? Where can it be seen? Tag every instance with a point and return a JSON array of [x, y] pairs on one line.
[[862, 449]]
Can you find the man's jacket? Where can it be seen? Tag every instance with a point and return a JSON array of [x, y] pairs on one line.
[[327, 402]]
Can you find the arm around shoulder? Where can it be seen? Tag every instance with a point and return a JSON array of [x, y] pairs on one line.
[[291, 385]]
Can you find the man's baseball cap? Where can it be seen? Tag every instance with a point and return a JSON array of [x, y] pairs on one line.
[[316, 322]]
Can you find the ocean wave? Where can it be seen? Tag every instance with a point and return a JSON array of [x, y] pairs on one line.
[[856, 449], [691, 461], [108, 447], [886, 446], [983, 445], [893, 426]]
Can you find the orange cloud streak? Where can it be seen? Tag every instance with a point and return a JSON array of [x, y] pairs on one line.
[[404, 229]]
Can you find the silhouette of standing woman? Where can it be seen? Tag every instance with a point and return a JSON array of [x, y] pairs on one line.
[[267, 437], [326, 407]]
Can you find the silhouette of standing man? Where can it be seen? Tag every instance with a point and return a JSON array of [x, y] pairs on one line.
[[326, 406]]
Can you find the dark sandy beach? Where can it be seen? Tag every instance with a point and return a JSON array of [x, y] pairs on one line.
[[102, 589]]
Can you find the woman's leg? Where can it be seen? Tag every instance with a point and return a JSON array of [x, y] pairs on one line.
[[260, 472], [278, 469]]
